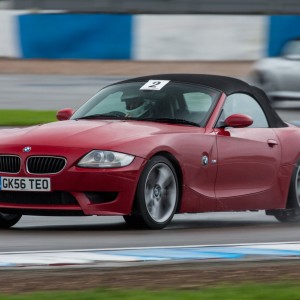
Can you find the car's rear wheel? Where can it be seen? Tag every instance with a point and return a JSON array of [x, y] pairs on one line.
[[9, 220], [292, 213], [156, 196]]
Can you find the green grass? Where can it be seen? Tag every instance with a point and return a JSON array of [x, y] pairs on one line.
[[10, 117], [277, 291]]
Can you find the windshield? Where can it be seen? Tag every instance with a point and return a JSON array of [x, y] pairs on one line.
[[160, 101], [292, 48]]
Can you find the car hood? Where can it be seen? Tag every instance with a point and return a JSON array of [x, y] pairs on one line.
[[88, 134], [274, 62]]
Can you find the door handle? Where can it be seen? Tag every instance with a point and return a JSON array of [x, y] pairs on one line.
[[272, 143]]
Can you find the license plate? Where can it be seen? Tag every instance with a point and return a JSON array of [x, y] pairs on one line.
[[25, 184]]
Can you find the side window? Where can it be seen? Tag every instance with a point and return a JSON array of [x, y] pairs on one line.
[[197, 105], [245, 104], [197, 102]]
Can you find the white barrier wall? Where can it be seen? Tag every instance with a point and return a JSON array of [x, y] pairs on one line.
[[199, 37], [9, 36], [146, 37]]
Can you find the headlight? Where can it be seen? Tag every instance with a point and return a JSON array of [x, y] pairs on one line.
[[105, 159]]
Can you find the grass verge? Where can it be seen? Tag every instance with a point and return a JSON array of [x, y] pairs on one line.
[[275, 291], [18, 117]]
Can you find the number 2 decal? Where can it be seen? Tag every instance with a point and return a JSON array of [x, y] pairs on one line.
[[154, 85]]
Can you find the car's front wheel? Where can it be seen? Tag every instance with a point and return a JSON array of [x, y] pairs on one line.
[[156, 196], [9, 220]]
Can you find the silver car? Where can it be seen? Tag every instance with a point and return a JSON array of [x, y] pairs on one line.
[[279, 76]]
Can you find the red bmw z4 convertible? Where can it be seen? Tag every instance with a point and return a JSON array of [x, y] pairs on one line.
[[151, 147]]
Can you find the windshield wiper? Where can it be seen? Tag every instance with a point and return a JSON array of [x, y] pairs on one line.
[[121, 116], [173, 121], [110, 116]]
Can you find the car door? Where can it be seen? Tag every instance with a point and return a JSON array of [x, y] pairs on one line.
[[248, 159]]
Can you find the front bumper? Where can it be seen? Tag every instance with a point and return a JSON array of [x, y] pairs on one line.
[[78, 191]]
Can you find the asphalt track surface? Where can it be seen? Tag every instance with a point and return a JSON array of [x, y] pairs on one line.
[[42, 92], [58, 233]]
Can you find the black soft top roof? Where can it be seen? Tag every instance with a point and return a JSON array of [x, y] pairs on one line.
[[227, 85]]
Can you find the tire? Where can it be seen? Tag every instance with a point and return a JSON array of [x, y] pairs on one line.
[[156, 196], [288, 215], [135, 221], [294, 191], [292, 212], [8, 220]]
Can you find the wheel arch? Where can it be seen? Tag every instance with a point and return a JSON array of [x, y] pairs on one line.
[[178, 171], [290, 200]]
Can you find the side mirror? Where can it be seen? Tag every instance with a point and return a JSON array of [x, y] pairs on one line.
[[238, 121], [64, 114]]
